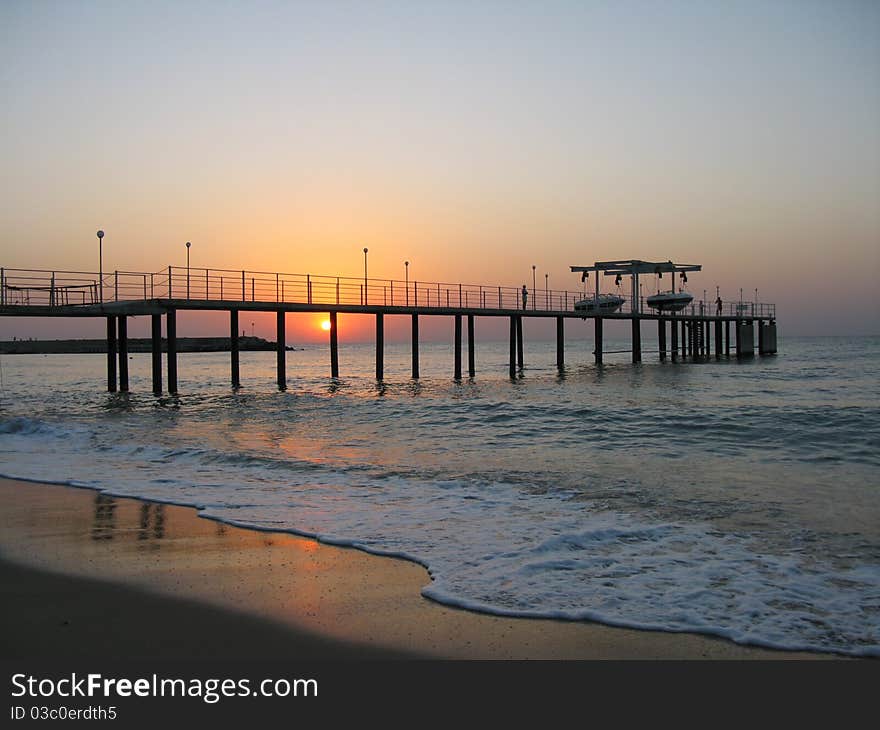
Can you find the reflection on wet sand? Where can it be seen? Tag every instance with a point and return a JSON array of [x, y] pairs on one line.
[[104, 523], [152, 523]]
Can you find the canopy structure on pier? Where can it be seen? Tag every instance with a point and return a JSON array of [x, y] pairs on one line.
[[633, 268]]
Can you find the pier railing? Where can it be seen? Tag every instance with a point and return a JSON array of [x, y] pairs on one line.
[[27, 287]]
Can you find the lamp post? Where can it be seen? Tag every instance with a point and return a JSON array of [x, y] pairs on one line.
[[365, 275], [101, 265], [188, 244], [406, 264], [534, 288]]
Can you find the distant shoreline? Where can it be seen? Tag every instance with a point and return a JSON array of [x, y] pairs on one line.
[[141, 344]]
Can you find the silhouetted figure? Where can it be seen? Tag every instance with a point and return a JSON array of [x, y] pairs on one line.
[[525, 296], [718, 306]]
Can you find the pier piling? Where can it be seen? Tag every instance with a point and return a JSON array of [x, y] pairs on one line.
[[717, 339], [727, 338], [767, 337], [597, 340], [233, 349], [334, 347], [560, 343], [636, 339], [673, 336], [111, 354], [457, 347], [472, 364], [122, 344], [281, 351], [380, 346], [156, 332], [519, 342], [745, 339], [415, 346], [512, 360], [661, 337], [684, 347], [171, 335]]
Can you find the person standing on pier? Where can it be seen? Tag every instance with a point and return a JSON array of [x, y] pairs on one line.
[[718, 305], [525, 296]]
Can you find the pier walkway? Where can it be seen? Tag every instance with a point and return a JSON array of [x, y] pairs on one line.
[[118, 295]]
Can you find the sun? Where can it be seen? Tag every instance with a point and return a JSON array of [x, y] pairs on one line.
[[325, 325]]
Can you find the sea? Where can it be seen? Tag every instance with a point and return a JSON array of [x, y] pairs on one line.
[[735, 498]]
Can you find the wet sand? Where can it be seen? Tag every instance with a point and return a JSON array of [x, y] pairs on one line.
[[84, 574]]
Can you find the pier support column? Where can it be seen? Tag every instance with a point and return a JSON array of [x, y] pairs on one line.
[[111, 354], [334, 347], [745, 339], [661, 337], [472, 361], [636, 339], [767, 338], [727, 337], [560, 343], [512, 359], [692, 351], [673, 336], [597, 339], [281, 350], [717, 339], [684, 350], [122, 321], [415, 346], [380, 346], [171, 336], [519, 342], [156, 326], [457, 347], [233, 349]]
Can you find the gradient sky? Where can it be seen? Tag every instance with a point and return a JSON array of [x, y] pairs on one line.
[[473, 139]]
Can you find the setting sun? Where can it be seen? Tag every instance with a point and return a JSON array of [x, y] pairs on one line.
[[325, 325]]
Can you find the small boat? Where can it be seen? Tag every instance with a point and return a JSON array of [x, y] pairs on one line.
[[669, 301], [601, 304]]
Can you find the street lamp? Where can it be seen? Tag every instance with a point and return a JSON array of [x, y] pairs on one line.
[[252, 329], [534, 288], [188, 244], [101, 265], [365, 275], [406, 264]]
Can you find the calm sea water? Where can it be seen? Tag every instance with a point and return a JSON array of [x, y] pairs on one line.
[[739, 499]]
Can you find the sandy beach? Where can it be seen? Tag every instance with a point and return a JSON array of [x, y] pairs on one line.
[[101, 576]]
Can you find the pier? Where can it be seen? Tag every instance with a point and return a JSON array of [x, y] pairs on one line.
[[121, 294]]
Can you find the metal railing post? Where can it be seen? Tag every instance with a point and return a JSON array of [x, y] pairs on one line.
[[116, 286], [243, 295], [169, 283]]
